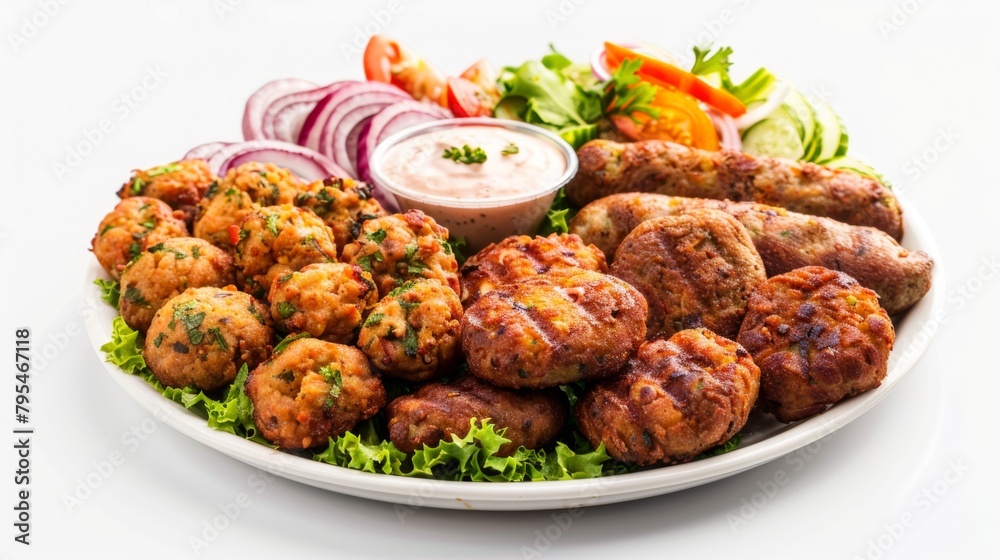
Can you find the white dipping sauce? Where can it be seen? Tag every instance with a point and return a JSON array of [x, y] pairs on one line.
[[418, 164]]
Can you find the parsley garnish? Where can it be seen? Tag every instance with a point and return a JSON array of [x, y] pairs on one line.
[[410, 342], [285, 309], [288, 340], [465, 154], [365, 262], [377, 236], [137, 186], [272, 224], [133, 295], [626, 94], [374, 319], [159, 339], [216, 332], [168, 168]]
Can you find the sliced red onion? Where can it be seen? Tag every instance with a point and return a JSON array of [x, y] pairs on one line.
[[725, 126], [355, 95], [254, 112], [284, 117], [391, 120], [756, 114], [205, 151], [352, 114], [305, 163]]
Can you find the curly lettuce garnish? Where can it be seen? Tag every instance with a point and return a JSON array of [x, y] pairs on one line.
[[110, 292]]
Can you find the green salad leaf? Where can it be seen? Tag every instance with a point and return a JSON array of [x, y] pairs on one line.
[[110, 292], [473, 457], [714, 69], [558, 217]]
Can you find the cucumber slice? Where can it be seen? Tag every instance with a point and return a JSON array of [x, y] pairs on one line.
[[796, 104], [833, 141], [778, 136], [859, 167]]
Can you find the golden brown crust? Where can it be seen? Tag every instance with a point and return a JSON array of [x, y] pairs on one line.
[[311, 391], [438, 411], [677, 398], [818, 337], [521, 257], [662, 167], [695, 269], [548, 331], [414, 333], [327, 300], [180, 184], [167, 269], [403, 247], [344, 204], [136, 224], [277, 240], [785, 241], [202, 337]]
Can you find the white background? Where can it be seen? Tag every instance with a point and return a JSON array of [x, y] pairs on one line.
[[911, 80]]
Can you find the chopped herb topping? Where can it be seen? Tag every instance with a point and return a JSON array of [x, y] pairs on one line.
[[196, 252], [465, 154], [256, 314], [272, 224], [365, 262], [510, 150], [374, 319], [403, 288], [133, 295], [106, 229], [377, 236], [168, 168], [137, 186], [216, 333], [285, 309], [159, 339], [288, 340], [159, 247], [410, 342], [333, 377], [148, 224], [213, 190], [287, 376], [134, 250]]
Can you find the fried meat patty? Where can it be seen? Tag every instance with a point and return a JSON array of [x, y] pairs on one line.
[[676, 399], [695, 269], [548, 331], [818, 337], [785, 241], [521, 257], [439, 411]]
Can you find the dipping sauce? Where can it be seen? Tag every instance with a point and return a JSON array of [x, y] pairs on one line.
[[502, 185], [515, 163]]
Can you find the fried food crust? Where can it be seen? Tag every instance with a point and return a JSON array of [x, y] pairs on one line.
[[676, 399], [521, 257], [662, 167], [136, 224], [695, 269], [548, 331], [785, 241], [311, 391], [439, 411], [818, 337], [167, 269]]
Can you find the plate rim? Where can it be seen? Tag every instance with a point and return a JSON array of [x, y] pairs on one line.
[[524, 496]]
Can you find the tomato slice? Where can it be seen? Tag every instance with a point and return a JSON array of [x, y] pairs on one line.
[[664, 74], [466, 99], [681, 120], [388, 61], [482, 74]]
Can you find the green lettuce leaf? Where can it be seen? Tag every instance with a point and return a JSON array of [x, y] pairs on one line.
[[110, 292], [123, 350], [558, 217]]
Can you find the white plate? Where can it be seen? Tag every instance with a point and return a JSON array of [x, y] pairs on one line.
[[764, 439]]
